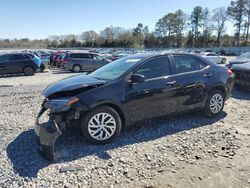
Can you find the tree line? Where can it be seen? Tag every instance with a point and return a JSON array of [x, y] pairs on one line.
[[201, 28]]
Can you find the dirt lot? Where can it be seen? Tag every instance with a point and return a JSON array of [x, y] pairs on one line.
[[182, 151]]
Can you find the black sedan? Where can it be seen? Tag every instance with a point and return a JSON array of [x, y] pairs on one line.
[[129, 90]]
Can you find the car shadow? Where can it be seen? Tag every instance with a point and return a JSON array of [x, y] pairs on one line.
[[240, 94], [12, 75], [23, 151]]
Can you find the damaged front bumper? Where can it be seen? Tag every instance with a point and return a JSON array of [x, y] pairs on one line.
[[47, 133], [60, 116]]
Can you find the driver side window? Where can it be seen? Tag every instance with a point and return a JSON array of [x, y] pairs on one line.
[[155, 68]]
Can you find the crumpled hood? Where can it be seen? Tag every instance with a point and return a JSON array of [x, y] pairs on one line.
[[72, 83]]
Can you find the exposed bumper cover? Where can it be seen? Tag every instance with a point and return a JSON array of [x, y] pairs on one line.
[[47, 135]]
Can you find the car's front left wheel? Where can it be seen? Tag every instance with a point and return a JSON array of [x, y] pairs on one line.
[[101, 125]]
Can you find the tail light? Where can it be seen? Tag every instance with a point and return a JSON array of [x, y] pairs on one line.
[[229, 72]]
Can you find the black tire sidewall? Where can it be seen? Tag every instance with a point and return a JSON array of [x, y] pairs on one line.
[[25, 73], [73, 68], [103, 109], [207, 109], [223, 61]]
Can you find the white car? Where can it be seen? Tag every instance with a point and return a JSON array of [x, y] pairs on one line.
[[214, 57]]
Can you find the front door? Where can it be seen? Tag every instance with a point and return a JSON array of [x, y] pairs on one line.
[[156, 96]]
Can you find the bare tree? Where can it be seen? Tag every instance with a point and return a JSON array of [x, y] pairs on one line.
[[247, 13], [219, 19], [89, 37]]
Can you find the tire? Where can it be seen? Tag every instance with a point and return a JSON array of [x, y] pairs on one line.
[[28, 71], [215, 103], [77, 68], [223, 61], [42, 67], [99, 135]]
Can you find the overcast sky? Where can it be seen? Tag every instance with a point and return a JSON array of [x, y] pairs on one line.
[[41, 18]]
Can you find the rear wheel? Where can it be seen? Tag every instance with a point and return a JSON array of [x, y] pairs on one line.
[[101, 125], [223, 61], [77, 68], [215, 103], [28, 71]]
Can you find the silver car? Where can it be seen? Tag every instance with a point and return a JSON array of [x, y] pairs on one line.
[[214, 57], [83, 61]]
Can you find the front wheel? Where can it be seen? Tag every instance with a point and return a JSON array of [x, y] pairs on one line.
[[101, 125], [215, 103], [28, 71]]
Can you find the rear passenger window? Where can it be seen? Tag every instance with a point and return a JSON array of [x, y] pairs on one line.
[[188, 64], [81, 56], [155, 68]]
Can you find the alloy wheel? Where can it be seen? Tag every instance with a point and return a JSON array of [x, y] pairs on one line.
[[102, 126], [28, 71], [216, 103], [77, 68]]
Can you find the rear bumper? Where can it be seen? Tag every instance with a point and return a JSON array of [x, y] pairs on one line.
[[47, 133]]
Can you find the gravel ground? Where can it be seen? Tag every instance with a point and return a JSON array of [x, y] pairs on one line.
[[188, 150]]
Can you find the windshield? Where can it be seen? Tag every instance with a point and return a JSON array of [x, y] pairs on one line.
[[245, 55], [115, 69]]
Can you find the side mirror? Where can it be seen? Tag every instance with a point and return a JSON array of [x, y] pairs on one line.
[[137, 78]]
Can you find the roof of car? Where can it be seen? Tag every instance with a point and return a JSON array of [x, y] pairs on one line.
[[150, 55]]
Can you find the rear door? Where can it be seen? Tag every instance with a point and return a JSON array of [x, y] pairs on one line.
[[16, 63], [194, 78], [85, 60]]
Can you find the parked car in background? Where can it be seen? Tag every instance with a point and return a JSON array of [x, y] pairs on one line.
[[214, 57], [243, 58], [242, 75], [26, 63], [83, 61], [131, 89]]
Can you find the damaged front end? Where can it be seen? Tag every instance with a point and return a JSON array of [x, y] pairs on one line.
[[59, 112], [62, 105]]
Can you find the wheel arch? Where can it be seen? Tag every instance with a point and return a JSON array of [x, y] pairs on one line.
[[220, 88], [116, 107]]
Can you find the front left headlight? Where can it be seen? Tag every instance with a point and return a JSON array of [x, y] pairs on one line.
[[60, 105]]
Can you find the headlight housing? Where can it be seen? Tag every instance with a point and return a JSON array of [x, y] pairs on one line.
[[60, 105]]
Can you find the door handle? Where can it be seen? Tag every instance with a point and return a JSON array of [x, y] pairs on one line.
[[171, 83], [208, 75]]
